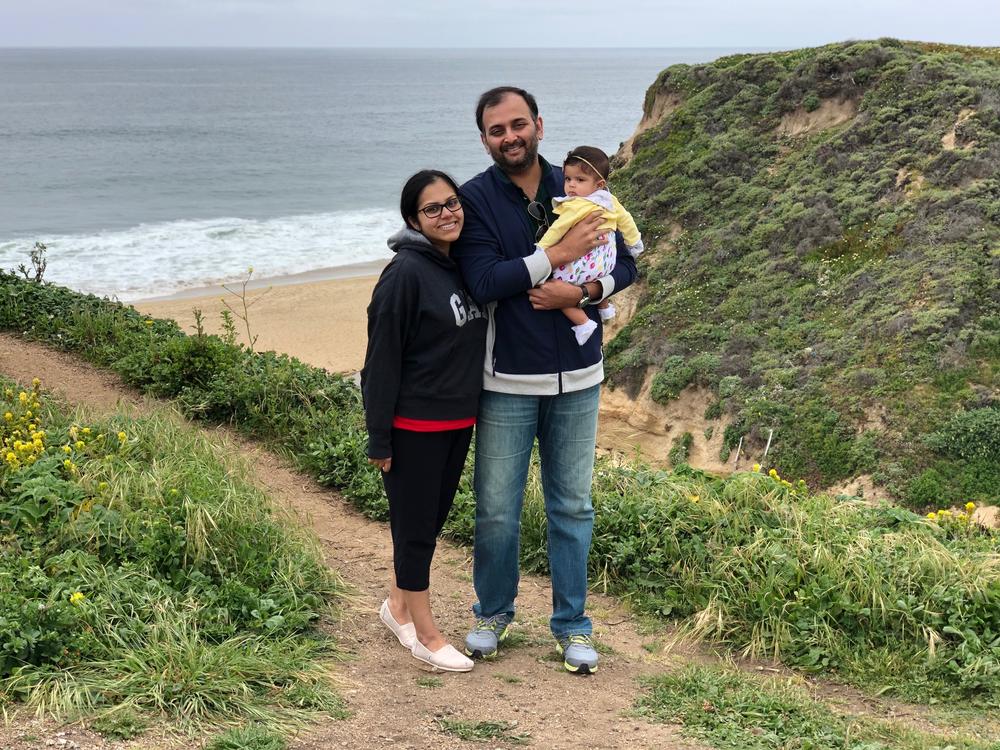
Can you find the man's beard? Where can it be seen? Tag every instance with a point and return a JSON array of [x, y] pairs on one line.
[[521, 165]]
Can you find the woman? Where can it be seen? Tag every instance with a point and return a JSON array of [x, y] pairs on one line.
[[421, 382]]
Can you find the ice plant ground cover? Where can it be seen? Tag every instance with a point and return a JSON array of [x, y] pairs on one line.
[[142, 576], [874, 594]]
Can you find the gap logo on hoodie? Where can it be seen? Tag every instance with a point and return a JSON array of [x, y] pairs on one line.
[[465, 308]]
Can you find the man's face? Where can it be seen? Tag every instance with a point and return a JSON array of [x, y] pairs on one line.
[[510, 134]]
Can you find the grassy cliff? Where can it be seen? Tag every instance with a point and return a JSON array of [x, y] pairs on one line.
[[826, 259]]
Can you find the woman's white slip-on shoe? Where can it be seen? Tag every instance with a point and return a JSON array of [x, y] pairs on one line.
[[406, 634], [447, 658]]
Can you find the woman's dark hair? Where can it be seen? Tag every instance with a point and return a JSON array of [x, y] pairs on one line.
[[591, 159], [410, 196]]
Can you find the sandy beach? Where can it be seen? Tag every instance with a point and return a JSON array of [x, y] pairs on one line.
[[318, 317]]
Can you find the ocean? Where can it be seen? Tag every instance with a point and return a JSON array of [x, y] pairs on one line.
[[151, 171]]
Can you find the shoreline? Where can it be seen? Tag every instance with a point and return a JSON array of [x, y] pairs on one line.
[[329, 273]]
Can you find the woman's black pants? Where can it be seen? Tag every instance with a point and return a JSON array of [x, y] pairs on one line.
[[421, 484]]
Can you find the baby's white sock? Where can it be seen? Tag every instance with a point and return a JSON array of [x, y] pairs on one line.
[[584, 331], [607, 313]]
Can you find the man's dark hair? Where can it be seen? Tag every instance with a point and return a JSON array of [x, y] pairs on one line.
[[493, 97], [410, 195], [590, 158]]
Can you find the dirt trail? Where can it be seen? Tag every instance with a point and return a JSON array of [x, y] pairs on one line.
[[388, 707]]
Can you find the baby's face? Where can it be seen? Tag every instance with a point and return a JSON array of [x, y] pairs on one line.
[[578, 180]]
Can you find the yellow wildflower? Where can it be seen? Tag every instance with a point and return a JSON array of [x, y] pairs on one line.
[[756, 467], [79, 445], [8, 416], [970, 506], [85, 430], [76, 597], [773, 474], [67, 449], [122, 436], [35, 382], [149, 323], [102, 486], [932, 516], [694, 498]]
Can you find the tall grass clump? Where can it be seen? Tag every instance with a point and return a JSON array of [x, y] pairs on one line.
[[142, 574]]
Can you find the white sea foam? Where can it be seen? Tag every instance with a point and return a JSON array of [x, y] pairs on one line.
[[157, 259]]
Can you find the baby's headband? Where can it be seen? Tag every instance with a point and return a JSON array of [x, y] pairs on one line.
[[596, 170]]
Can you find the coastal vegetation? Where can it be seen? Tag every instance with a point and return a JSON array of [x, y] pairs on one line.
[[872, 593], [825, 229], [144, 578]]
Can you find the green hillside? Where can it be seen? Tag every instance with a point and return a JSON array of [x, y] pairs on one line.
[[826, 259]]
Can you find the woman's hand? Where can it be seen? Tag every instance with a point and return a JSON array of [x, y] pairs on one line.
[[582, 237], [384, 464]]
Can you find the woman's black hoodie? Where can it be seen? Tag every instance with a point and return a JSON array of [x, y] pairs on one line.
[[426, 342]]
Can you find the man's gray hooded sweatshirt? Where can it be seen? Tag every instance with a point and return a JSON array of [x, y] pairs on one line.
[[426, 342]]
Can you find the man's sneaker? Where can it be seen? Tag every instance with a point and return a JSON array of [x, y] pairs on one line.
[[488, 633], [578, 653]]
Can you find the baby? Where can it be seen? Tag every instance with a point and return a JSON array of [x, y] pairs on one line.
[[585, 173]]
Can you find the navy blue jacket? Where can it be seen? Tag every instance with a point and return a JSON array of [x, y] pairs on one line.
[[527, 351]]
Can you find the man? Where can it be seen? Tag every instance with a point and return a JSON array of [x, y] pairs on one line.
[[538, 381]]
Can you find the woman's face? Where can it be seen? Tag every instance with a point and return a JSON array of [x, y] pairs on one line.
[[444, 228]]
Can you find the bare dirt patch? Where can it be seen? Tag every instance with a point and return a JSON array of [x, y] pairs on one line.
[[909, 181], [663, 105], [830, 113], [648, 428], [949, 141], [861, 486]]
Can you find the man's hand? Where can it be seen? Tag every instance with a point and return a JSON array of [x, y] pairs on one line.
[[583, 237], [557, 295], [384, 464]]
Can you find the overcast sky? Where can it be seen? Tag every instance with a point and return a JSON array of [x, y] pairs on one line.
[[584, 24]]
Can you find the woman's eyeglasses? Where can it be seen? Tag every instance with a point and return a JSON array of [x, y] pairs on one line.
[[537, 212], [433, 210]]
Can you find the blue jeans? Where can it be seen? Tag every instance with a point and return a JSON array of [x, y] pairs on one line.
[[506, 428]]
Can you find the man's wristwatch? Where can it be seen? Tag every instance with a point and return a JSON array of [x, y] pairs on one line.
[[585, 299]]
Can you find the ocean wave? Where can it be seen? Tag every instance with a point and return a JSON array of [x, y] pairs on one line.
[[168, 257]]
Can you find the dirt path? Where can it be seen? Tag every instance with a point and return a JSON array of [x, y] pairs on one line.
[[389, 707]]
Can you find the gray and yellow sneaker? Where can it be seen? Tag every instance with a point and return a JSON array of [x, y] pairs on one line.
[[488, 633], [578, 653]]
